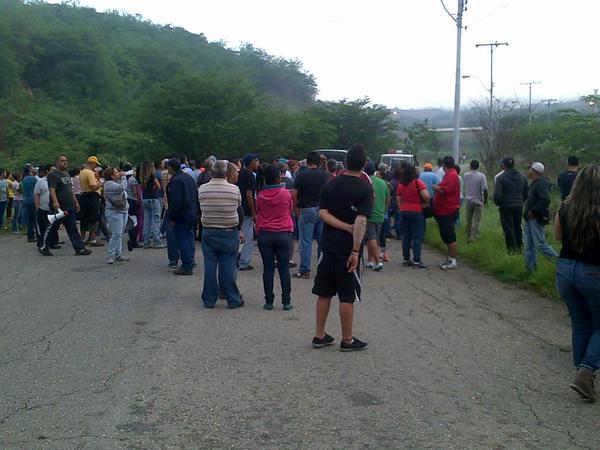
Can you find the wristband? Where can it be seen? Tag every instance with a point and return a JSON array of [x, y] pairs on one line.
[[355, 252]]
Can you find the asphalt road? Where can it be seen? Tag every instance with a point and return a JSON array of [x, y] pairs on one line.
[[97, 356]]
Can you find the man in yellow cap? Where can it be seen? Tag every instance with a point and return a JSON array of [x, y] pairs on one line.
[[91, 188]]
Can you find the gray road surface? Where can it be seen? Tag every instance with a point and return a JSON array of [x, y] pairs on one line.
[[97, 356]]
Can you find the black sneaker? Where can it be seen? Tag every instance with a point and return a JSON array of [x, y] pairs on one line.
[[45, 252], [322, 342], [408, 263], [83, 252], [355, 345]]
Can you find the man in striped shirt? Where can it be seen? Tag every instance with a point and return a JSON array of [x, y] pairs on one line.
[[220, 203]]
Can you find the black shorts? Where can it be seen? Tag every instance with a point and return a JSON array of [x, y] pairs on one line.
[[90, 209], [333, 278], [447, 225]]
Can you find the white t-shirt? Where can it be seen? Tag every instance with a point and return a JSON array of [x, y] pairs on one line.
[[17, 190], [41, 189], [3, 190]]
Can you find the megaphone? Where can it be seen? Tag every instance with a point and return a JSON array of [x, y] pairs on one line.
[[59, 215]]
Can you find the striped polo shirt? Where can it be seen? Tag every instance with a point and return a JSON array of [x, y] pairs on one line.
[[219, 201]]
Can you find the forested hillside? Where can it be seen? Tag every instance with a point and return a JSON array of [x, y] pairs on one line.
[[75, 80]]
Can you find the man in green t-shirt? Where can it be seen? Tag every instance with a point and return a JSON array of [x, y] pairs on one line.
[[375, 222]]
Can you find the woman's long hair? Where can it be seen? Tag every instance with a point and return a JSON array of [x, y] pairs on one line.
[[583, 209], [409, 173], [146, 171]]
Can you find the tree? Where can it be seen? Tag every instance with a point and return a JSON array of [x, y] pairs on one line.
[[420, 137], [497, 129], [359, 121]]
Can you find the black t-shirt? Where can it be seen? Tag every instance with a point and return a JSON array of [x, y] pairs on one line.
[[345, 197], [150, 190], [309, 183], [565, 183], [246, 182], [591, 255], [61, 182]]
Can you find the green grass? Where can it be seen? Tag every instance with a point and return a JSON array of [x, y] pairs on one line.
[[488, 254]]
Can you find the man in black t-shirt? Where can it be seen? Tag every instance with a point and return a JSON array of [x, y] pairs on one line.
[[345, 204], [306, 193], [247, 185], [567, 177], [62, 198]]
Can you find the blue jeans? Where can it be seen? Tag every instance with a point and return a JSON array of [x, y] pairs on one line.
[[309, 226], [116, 221], [184, 237], [219, 248], [2, 211], [28, 218], [151, 221], [16, 217], [398, 224], [413, 229], [246, 253], [172, 248], [276, 245], [579, 286], [535, 240]]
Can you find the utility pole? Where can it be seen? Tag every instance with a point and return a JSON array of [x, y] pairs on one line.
[[548, 102], [492, 46], [530, 83], [456, 135]]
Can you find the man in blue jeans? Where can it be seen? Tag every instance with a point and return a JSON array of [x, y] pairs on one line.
[[220, 203], [247, 186], [536, 217], [29, 181], [306, 193], [183, 213]]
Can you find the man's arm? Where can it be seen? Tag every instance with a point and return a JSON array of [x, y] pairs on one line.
[[54, 199], [358, 235], [250, 201]]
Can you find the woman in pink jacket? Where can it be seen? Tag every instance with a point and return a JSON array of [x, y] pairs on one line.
[[274, 228]]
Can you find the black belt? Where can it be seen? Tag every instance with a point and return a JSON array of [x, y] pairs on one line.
[[90, 193]]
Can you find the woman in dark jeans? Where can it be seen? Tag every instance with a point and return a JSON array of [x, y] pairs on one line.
[[411, 194], [577, 225], [274, 228]]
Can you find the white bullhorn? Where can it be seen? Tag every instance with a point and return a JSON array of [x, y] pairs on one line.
[[59, 215]]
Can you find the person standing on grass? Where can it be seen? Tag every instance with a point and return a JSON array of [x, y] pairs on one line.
[[536, 217], [151, 204], [247, 184], [446, 205], [306, 192], [510, 192], [3, 196], [62, 198], [567, 177], [91, 188], [375, 221], [476, 195], [346, 202], [115, 194], [577, 225], [183, 212], [17, 203], [220, 202], [411, 194], [274, 233]]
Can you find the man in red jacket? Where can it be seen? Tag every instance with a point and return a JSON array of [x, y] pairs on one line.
[[446, 205]]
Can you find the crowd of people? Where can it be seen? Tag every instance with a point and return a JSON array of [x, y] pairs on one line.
[[229, 205]]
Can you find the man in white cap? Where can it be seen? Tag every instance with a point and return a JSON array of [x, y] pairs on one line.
[[536, 217]]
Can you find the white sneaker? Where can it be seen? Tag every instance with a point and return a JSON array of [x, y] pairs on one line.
[[110, 261], [444, 262], [378, 267], [451, 264], [370, 265]]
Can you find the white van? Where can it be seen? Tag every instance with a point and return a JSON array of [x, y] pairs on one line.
[[394, 159]]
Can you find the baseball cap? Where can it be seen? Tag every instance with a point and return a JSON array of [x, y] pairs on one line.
[[538, 167], [249, 158], [507, 162], [428, 166], [93, 160]]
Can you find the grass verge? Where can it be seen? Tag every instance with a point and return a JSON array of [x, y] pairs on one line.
[[488, 254]]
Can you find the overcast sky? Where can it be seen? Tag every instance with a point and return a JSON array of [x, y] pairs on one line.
[[401, 53]]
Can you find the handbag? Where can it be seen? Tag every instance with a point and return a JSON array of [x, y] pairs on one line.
[[427, 208]]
